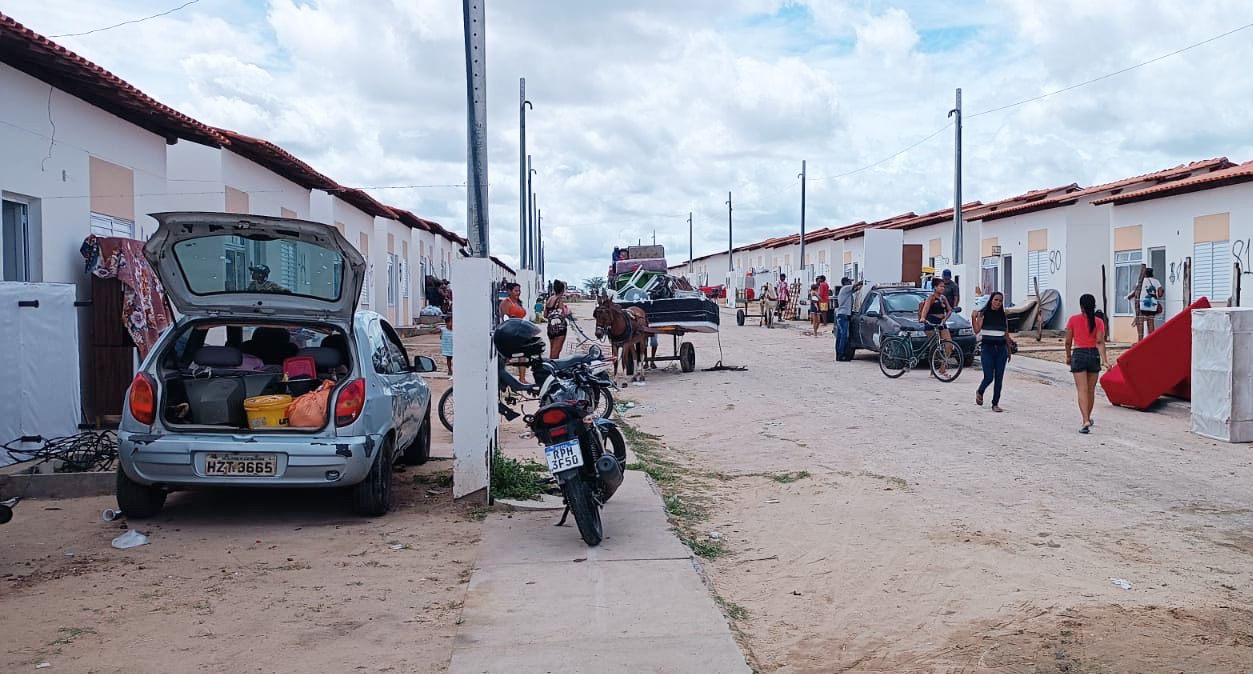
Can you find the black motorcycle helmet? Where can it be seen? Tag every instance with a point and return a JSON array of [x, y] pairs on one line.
[[518, 337]]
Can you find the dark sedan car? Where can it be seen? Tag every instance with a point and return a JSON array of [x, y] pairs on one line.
[[892, 310]]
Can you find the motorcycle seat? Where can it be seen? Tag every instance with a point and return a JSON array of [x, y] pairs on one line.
[[570, 361]]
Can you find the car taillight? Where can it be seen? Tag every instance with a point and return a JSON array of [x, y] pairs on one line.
[[553, 417], [350, 402], [143, 399]]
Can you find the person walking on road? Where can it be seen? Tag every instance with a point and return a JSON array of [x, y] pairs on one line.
[[814, 314], [1085, 332], [445, 341], [843, 311], [824, 300], [556, 312], [990, 324]]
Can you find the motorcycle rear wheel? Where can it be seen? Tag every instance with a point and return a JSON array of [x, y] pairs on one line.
[[586, 510]]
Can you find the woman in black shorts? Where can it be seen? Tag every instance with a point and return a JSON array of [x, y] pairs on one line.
[[1085, 332]]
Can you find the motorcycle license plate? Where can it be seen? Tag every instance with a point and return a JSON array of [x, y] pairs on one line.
[[564, 456]]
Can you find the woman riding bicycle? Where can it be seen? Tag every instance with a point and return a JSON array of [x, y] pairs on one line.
[[935, 311]]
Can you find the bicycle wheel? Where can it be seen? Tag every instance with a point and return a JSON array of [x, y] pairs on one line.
[[445, 409], [893, 357], [946, 361]]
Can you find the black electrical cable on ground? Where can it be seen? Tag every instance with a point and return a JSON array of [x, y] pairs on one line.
[[86, 452]]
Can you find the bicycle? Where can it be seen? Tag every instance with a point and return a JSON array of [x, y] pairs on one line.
[[897, 354]]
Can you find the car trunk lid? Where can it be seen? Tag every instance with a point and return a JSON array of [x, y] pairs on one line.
[[214, 264]]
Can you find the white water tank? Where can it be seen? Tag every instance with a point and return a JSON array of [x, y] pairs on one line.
[[1222, 373]]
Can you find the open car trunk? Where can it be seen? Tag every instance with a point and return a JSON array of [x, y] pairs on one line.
[[211, 369]]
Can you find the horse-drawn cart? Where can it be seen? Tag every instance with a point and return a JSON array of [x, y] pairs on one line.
[[670, 304]]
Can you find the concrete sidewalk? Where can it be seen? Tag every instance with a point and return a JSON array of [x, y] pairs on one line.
[[540, 600]]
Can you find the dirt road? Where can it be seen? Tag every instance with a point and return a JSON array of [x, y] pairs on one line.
[[859, 524], [239, 581]]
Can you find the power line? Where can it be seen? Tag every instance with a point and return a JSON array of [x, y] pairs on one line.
[[1113, 74], [127, 23], [1040, 97]]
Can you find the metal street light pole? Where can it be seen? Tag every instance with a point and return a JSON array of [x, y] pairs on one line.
[[802, 177], [689, 243], [524, 164], [539, 235], [530, 222], [958, 238], [730, 247]]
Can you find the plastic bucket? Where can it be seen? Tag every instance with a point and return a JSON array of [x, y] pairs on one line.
[[267, 411]]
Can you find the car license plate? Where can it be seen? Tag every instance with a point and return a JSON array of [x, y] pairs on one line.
[[241, 465], [563, 456]]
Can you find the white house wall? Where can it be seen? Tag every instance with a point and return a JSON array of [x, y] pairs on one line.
[[268, 192], [1013, 236], [1170, 222], [56, 175]]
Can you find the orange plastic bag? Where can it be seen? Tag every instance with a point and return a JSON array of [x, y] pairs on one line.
[[310, 409]]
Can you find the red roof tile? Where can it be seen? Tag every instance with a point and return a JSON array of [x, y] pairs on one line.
[[1030, 198], [365, 203], [278, 160], [1205, 181], [1174, 173], [45, 60]]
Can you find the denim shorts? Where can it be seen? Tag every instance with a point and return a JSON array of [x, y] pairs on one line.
[[1085, 360]]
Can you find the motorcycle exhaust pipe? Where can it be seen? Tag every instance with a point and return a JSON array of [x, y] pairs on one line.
[[610, 472]]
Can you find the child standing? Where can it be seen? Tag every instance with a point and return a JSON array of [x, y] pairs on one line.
[[445, 341]]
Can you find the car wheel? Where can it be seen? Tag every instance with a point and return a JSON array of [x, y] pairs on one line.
[[138, 500], [372, 496], [419, 451]]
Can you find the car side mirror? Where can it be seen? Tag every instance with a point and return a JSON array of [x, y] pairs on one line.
[[423, 364]]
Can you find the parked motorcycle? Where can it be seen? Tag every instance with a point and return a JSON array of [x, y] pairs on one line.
[[590, 371], [586, 453]]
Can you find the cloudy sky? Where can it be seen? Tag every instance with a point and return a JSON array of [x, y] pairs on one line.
[[646, 110]]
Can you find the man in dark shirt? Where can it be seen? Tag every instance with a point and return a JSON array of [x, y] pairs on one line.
[[951, 292]]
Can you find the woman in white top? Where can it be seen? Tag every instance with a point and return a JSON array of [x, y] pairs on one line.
[[1148, 299]]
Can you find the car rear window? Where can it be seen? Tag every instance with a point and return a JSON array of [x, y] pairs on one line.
[[233, 264]]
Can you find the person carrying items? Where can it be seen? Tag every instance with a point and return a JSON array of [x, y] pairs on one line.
[[261, 282], [556, 312], [843, 312], [1149, 304], [784, 296]]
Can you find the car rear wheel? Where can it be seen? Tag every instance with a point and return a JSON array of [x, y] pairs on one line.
[[372, 496], [419, 451], [138, 500]]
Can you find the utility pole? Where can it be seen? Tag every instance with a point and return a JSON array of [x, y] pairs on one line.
[[689, 243], [958, 239], [539, 236], [654, 237], [802, 216], [730, 247], [476, 105], [524, 166]]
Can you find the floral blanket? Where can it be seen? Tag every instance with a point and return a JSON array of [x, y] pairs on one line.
[[144, 311]]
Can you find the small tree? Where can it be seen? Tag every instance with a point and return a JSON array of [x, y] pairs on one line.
[[594, 285]]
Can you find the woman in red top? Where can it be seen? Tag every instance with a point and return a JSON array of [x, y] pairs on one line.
[[1085, 331], [510, 308]]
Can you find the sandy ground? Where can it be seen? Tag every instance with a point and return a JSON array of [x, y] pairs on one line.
[[241, 581], [931, 535]]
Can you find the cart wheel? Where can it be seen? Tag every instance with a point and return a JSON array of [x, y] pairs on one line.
[[687, 357], [739, 317]]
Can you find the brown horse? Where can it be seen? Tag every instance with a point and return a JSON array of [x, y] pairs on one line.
[[627, 330]]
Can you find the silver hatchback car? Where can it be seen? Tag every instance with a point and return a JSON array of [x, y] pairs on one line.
[[270, 377]]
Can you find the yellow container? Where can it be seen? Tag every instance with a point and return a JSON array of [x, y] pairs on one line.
[[267, 411]]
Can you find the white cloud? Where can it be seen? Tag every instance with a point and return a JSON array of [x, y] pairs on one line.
[[647, 109]]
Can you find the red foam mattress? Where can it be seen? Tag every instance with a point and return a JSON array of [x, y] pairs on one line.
[[1158, 364]]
